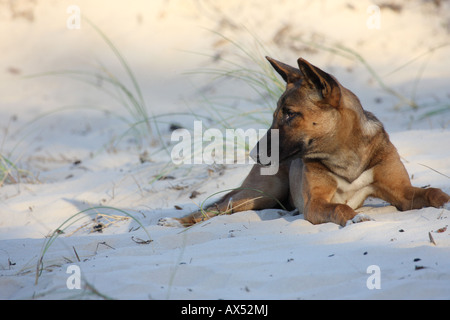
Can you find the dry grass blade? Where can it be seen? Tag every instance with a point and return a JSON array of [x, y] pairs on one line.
[[431, 238]]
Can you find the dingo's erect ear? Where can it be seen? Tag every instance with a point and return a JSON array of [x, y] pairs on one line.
[[326, 85], [288, 73]]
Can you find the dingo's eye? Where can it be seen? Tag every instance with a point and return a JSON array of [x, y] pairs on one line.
[[289, 114]]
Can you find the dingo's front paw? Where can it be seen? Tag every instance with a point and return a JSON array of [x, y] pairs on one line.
[[360, 217], [169, 222]]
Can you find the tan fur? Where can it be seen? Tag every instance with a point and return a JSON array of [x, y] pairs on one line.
[[333, 156]]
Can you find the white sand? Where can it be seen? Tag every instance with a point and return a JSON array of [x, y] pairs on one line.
[[78, 159]]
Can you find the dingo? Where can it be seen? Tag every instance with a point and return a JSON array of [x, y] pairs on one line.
[[333, 155]]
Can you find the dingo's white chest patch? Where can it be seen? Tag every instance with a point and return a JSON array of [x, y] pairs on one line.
[[353, 193]]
